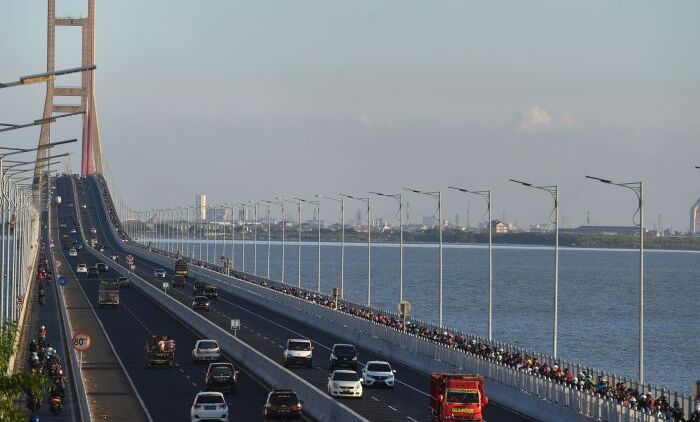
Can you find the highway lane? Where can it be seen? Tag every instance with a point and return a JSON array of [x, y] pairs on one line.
[[165, 391], [268, 331]]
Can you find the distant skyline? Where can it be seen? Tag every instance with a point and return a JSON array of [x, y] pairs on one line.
[[252, 100]]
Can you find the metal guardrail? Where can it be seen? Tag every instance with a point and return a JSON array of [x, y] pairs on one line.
[[529, 383]]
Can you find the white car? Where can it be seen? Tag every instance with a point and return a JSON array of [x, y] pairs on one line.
[[93, 230], [72, 252], [81, 269], [159, 273], [344, 383], [206, 350], [209, 406], [73, 231], [298, 352], [377, 373]]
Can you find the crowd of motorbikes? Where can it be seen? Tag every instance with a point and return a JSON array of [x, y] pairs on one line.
[[43, 359]]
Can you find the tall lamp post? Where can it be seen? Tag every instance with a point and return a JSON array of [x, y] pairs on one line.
[[554, 219], [369, 246], [298, 204], [638, 189], [317, 206], [486, 194], [398, 198], [243, 229], [341, 201], [255, 238], [268, 238], [438, 196], [284, 223]]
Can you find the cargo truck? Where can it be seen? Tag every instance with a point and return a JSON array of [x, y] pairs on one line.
[[108, 293], [180, 275], [457, 397]]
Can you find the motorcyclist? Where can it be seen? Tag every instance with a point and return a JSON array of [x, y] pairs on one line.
[[33, 346]]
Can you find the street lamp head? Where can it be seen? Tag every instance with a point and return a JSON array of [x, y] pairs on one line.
[[521, 182], [697, 167], [599, 179], [459, 189]]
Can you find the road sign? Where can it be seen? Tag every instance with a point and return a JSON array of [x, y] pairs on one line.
[[62, 280], [235, 324], [81, 341]]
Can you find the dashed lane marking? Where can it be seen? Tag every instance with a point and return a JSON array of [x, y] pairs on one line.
[[374, 398], [392, 408]]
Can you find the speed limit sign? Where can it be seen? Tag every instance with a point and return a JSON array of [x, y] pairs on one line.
[[81, 341]]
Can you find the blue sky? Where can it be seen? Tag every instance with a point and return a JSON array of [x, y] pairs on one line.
[[255, 99]]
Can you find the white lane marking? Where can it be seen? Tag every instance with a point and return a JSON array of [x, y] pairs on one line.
[[411, 419], [374, 398], [313, 341], [392, 408]]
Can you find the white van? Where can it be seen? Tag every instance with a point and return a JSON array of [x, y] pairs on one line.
[[298, 352]]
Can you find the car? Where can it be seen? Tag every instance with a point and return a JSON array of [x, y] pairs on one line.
[[282, 404], [209, 406], [201, 303], [198, 286], [378, 373], [222, 377], [114, 258], [298, 352], [81, 269], [102, 267], [159, 273], [206, 350], [123, 281], [73, 231], [93, 230], [211, 291], [93, 273], [344, 383], [72, 252], [83, 206], [343, 356]]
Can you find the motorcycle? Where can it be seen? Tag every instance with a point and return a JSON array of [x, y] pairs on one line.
[[42, 300], [55, 405]]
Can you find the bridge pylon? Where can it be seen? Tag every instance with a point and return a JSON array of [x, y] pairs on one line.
[[91, 146]]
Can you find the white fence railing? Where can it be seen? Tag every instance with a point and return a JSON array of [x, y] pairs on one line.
[[423, 354]]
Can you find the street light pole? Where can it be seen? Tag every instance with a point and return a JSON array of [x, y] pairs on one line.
[[284, 223], [638, 189], [369, 247], [341, 201], [317, 205], [255, 241], [298, 204], [438, 196], [398, 198], [554, 191], [486, 194], [243, 235]]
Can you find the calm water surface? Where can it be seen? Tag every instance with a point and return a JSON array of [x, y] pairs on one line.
[[598, 296]]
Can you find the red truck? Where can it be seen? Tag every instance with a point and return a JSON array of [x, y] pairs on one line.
[[457, 397]]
